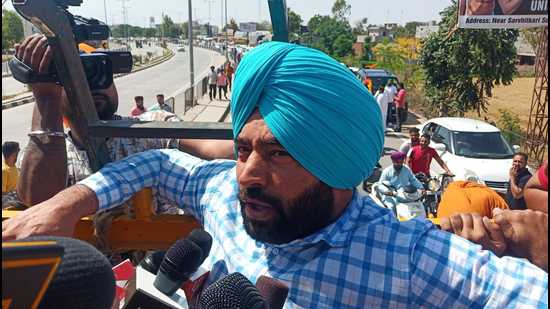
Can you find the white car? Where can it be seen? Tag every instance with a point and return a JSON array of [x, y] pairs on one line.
[[472, 149]]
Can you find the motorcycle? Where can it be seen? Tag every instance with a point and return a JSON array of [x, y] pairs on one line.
[[373, 178], [434, 186], [410, 201]]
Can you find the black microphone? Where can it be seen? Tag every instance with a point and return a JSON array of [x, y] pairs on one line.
[[152, 261], [274, 291], [84, 278], [233, 291], [179, 263], [202, 239]]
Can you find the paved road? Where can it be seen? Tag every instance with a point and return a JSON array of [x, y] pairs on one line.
[[166, 78]]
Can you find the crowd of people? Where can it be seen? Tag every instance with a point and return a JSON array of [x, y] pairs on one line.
[[307, 132]]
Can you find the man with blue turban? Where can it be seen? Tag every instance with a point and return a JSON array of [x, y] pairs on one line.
[[306, 134]]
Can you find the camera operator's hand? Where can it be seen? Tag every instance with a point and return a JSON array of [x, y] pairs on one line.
[[38, 55]]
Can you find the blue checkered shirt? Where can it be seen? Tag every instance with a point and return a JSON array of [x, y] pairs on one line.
[[366, 259]]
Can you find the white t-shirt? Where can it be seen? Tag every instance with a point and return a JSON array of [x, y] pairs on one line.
[[212, 78], [383, 100], [392, 92]]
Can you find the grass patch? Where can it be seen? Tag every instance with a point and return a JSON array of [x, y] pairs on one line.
[[516, 97]]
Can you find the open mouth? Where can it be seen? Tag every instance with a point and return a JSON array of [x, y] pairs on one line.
[[258, 211]]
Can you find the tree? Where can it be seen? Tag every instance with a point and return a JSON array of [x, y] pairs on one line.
[[532, 36], [361, 27], [294, 22], [264, 26], [233, 25], [12, 29], [341, 10], [330, 35], [389, 56], [168, 28], [462, 66]]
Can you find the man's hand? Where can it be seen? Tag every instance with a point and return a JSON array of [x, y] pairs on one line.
[[477, 230], [54, 217], [38, 55], [526, 234], [513, 173]]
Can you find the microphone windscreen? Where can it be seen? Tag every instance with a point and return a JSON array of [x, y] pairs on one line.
[[202, 239], [152, 261], [84, 278], [274, 291], [180, 262], [182, 259], [233, 291]]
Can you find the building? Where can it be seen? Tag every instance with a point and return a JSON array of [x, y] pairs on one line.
[[359, 46], [526, 54], [379, 33]]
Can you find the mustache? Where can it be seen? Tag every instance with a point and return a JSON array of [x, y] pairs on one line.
[[259, 194]]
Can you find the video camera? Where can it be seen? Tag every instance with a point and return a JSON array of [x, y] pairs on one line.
[[99, 66]]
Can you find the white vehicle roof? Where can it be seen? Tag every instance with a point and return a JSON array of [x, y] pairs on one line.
[[464, 124]]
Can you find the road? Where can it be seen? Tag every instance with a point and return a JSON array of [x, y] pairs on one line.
[[166, 78]]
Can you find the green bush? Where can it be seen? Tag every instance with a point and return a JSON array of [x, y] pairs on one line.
[[510, 125]]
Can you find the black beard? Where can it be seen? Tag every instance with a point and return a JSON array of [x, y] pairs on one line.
[[307, 214]]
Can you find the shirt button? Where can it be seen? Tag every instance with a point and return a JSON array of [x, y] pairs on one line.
[[275, 251]]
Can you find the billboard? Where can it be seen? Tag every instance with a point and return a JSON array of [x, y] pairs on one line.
[[247, 27], [500, 14]]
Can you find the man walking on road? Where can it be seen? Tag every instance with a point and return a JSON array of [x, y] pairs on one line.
[[382, 98], [222, 84], [229, 70], [212, 82], [400, 109]]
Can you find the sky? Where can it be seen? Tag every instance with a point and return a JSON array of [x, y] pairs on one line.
[[140, 11]]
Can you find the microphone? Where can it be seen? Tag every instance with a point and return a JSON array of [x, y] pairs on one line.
[[152, 261], [274, 291], [182, 260], [159, 278], [233, 291], [84, 278]]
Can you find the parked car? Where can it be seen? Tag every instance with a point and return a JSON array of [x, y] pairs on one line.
[[472, 149]]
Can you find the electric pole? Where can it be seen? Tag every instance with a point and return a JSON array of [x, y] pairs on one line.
[[191, 60], [125, 21]]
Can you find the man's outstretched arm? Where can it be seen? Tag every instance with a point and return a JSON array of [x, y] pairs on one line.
[[55, 217], [167, 170], [44, 165]]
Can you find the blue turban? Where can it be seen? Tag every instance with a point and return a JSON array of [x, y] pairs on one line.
[[315, 107]]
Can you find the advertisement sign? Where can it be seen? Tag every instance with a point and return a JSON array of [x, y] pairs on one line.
[[501, 14], [247, 27]]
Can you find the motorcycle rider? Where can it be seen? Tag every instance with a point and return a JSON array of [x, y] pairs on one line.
[[399, 176]]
